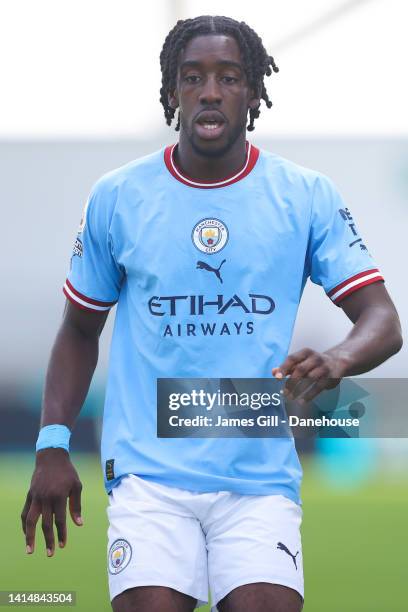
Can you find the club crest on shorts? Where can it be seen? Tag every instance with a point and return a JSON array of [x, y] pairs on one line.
[[210, 235], [120, 554]]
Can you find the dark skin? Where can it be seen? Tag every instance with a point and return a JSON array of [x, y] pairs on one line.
[[72, 363], [210, 79], [374, 337]]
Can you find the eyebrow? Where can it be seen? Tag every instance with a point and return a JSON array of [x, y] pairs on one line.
[[197, 64]]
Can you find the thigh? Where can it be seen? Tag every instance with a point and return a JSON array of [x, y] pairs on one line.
[[154, 542], [261, 597], [253, 540], [153, 599]]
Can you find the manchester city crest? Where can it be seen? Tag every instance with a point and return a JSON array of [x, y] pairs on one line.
[[210, 235], [120, 554]]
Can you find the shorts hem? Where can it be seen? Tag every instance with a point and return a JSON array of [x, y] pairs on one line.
[[251, 580], [216, 486], [130, 584]]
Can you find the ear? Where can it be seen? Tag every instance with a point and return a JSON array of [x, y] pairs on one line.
[[173, 99]]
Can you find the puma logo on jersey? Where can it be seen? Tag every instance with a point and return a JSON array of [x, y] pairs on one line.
[[202, 265], [287, 551]]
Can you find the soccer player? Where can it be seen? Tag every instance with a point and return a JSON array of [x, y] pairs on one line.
[[205, 246]]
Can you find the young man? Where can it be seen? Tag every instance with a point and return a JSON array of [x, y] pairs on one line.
[[206, 247]]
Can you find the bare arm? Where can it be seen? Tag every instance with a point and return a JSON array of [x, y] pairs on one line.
[[376, 333], [72, 363], [375, 336]]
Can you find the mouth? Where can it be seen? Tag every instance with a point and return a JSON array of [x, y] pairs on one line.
[[210, 125]]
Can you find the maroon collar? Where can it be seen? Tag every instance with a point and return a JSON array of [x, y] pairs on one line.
[[252, 155]]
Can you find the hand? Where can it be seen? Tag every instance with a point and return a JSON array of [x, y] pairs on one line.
[[54, 481], [309, 373]]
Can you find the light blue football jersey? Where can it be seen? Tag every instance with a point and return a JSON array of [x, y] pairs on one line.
[[207, 278]]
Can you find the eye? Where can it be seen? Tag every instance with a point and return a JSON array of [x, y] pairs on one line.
[[229, 79], [192, 78]]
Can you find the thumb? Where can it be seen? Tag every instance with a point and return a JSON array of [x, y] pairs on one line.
[[75, 503]]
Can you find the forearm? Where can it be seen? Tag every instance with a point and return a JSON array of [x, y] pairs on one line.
[[375, 336], [72, 363]]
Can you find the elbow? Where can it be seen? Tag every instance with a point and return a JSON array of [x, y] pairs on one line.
[[395, 336], [397, 342]]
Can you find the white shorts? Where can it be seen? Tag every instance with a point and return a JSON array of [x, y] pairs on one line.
[[193, 542]]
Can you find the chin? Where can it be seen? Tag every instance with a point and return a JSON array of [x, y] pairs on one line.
[[214, 148], [211, 149]]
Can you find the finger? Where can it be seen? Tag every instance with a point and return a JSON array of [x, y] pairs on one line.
[[47, 527], [312, 392], [60, 518], [31, 523], [286, 368], [317, 387], [298, 387], [293, 386], [319, 372], [304, 374], [303, 369], [75, 503], [276, 372], [25, 510]]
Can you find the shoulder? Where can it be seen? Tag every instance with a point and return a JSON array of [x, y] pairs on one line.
[[293, 174], [105, 192], [143, 169]]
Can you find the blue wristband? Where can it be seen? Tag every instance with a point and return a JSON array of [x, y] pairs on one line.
[[53, 436]]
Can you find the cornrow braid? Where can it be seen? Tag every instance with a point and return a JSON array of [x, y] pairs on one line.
[[257, 63]]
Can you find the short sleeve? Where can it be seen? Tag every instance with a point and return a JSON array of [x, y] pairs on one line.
[[94, 279], [338, 259]]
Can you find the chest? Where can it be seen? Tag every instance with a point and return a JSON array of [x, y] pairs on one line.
[[197, 238]]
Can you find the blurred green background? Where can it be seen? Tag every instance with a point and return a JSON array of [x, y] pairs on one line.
[[354, 540]]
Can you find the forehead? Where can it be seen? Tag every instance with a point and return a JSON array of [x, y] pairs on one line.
[[211, 48]]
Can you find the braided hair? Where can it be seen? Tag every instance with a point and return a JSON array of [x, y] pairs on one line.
[[257, 63]]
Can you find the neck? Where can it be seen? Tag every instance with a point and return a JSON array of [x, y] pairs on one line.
[[203, 168]]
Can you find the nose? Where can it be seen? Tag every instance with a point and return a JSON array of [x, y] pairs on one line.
[[210, 93]]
